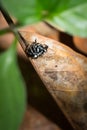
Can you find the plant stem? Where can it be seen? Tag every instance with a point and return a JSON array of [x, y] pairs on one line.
[[11, 24], [4, 31]]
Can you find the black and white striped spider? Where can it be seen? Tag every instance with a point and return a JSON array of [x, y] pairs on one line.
[[35, 50]]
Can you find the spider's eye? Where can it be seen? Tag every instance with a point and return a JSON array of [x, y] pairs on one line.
[[35, 50]]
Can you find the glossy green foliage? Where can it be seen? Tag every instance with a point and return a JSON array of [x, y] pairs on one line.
[[70, 15], [12, 91]]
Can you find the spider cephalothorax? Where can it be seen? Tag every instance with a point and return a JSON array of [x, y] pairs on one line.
[[35, 50]]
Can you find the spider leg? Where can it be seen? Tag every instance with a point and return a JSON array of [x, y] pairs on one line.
[[35, 41]]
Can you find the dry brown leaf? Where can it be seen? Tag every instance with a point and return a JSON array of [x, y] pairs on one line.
[[64, 73], [81, 44], [36, 121]]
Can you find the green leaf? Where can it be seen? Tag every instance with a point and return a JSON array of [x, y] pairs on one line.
[[70, 15], [26, 11], [12, 91]]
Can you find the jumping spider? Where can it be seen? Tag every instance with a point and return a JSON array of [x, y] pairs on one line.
[[35, 49]]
